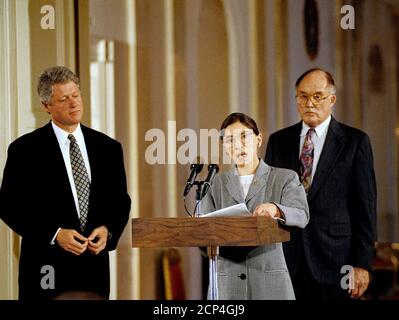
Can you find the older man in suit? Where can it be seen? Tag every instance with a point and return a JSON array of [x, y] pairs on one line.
[[64, 192], [335, 163]]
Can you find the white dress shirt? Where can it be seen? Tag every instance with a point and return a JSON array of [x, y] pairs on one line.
[[318, 139], [63, 141], [246, 183]]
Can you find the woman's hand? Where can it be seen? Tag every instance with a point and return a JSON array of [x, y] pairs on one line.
[[267, 209]]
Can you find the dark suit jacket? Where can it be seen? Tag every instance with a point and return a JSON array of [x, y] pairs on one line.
[[342, 201], [36, 199]]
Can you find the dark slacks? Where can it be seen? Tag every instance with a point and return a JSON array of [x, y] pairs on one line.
[[306, 288]]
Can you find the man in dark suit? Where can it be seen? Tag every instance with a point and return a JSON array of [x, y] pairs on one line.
[[335, 163], [64, 192]]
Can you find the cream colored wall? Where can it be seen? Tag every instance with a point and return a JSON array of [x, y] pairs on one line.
[[121, 32], [155, 103]]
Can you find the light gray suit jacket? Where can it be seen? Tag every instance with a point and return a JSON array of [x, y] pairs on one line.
[[263, 274]]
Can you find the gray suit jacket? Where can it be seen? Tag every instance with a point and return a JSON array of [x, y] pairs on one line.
[[263, 274]]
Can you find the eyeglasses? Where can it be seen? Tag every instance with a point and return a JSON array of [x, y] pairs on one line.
[[245, 138], [314, 98]]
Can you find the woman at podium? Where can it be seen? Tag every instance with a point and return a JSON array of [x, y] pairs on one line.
[[254, 272]]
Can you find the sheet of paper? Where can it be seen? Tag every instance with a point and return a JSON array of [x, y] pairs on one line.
[[236, 210]]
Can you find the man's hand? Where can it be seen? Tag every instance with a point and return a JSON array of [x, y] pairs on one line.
[[72, 241], [98, 240], [267, 209], [361, 282]]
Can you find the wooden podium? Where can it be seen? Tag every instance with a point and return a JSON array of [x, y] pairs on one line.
[[207, 232]]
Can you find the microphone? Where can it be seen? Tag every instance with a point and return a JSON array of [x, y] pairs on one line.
[[212, 170], [195, 169]]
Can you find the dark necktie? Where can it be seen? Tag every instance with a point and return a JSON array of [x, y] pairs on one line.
[[81, 178], [307, 160]]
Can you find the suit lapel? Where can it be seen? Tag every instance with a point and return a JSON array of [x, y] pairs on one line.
[[233, 185], [259, 180], [333, 146], [293, 144], [57, 168], [54, 153]]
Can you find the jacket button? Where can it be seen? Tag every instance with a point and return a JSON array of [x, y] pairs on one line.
[[243, 276]]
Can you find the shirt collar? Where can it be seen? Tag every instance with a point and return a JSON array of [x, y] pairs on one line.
[[62, 135], [320, 129]]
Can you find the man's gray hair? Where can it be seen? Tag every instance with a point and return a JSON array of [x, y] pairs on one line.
[[51, 76]]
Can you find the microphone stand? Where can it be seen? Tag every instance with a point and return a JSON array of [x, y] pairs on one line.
[[198, 197], [212, 251]]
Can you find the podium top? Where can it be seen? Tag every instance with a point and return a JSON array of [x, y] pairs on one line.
[[205, 232]]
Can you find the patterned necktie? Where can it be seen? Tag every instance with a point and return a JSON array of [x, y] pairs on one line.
[[307, 160], [81, 178]]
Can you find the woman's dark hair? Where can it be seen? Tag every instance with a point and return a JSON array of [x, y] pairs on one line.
[[239, 117]]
